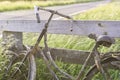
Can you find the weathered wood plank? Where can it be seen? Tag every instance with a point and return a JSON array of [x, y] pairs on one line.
[[71, 56], [82, 28]]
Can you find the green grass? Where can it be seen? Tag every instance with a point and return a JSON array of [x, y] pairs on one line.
[[61, 41], [20, 5], [108, 12]]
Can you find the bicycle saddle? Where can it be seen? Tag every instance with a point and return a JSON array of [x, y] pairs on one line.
[[105, 40]]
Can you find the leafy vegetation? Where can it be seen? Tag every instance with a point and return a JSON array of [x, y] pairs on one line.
[[20, 5]]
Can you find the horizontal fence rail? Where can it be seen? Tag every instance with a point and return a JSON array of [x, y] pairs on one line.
[[73, 56], [83, 28]]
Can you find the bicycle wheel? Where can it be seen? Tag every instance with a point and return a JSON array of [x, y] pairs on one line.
[[112, 70], [18, 69]]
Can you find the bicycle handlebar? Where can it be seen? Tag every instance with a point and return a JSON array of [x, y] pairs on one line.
[[55, 12], [36, 8]]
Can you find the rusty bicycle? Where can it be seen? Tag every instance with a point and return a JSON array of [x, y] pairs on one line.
[[103, 63]]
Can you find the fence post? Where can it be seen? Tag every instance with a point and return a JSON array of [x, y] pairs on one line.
[[17, 37]]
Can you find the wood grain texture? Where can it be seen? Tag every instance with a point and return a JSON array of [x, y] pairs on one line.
[[82, 28]]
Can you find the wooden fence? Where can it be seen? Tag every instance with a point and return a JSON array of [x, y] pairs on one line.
[[67, 27]]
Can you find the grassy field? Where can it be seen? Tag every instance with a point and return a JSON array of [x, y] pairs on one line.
[[107, 12], [20, 5]]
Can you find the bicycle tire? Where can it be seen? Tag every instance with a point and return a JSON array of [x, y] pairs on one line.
[[106, 63]]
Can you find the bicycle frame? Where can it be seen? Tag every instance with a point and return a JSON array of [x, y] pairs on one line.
[[46, 55], [94, 51]]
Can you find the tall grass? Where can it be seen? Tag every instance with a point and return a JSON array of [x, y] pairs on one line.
[[61, 41], [108, 12]]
